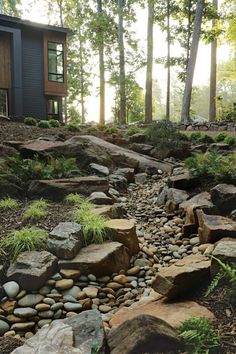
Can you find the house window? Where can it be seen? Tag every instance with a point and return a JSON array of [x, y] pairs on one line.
[[55, 62], [53, 109], [3, 102]]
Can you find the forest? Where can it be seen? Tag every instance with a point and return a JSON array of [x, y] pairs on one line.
[[136, 60]]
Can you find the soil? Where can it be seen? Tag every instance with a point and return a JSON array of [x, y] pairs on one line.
[[8, 344]]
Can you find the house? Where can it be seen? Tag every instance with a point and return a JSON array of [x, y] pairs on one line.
[[33, 78]]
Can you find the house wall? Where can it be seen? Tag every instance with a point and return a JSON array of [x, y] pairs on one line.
[[5, 60], [34, 102]]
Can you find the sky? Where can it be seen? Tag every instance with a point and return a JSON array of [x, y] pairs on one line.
[[202, 71]]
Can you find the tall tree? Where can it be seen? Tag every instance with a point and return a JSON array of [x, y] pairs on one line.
[[9, 7], [168, 60], [149, 70], [192, 61], [101, 65], [212, 100], [122, 111]]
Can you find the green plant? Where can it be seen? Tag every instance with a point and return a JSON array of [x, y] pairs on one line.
[[213, 165], [206, 139], [230, 140], [30, 121], [199, 336], [75, 198], [44, 124], [221, 137], [73, 127], [133, 130], [37, 210], [54, 123], [8, 203], [112, 130], [195, 136], [26, 239]]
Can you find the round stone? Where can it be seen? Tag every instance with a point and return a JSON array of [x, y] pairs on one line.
[[22, 326], [57, 314], [42, 307], [64, 284], [92, 277], [25, 312], [9, 334], [70, 306], [104, 308], [42, 323], [11, 288], [57, 306], [4, 327], [46, 314], [91, 292], [121, 279], [45, 290], [74, 291], [30, 300], [48, 301], [114, 285], [29, 335]]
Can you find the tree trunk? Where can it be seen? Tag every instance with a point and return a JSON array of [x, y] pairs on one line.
[[148, 95], [212, 102], [189, 33], [81, 77], [192, 61], [122, 116], [101, 70], [168, 63]]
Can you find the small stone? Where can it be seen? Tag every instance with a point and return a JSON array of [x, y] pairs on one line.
[[30, 300], [133, 271], [104, 308], [25, 312], [8, 306], [57, 306], [29, 335], [64, 284], [194, 241], [22, 326], [70, 273], [114, 285], [11, 288], [91, 292], [121, 279], [42, 323], [46, 314], [45, 290], [72, 292], [69, 306], [4, 327], [21, 294], [92, 277], [42, 307], [9, 334], [48, 301]]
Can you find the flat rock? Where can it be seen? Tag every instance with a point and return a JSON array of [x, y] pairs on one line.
[[65, 240], [32, 269], [214, 227], [100, 198], [183, 276], [102, 170], [25, 312], [144, 333], [103, 259], [183, 181], [224, 197], [114, 211], [173, 313], [57, 189], [124, 231], [30, 300]]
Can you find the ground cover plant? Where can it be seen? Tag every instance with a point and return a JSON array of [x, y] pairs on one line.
[[44, 124], [200, 137], [73, 127], [37, 210], [54, 123], [26, 239], [133, 130], [213, 165], [8, 203], [30, 121]]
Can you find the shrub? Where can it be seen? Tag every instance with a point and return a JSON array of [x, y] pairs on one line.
[[8, 203], [26, 239], [201, 138], [74, 198], [213, 165], [54, 123], [195, 136], [37, 210], [221, 137], [73, 127], [199, 336], [30, 121], [133, 130], [112, 130], [230, 140], [44, 124], [92, 129]]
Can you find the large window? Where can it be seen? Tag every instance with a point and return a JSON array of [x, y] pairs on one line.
[[53, 108], [55, 62], [3, 102]]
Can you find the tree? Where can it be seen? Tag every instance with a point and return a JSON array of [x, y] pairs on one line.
[[122, 113], [212, 100], [9, 7], [192, 61], [149, 70], [101, 65], [168, 39]]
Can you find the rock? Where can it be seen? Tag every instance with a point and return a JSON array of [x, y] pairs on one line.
[[173, 313], [121, 279], [8, 306], [46, 314], [64, 284], [88, 331], [7, 151], [70, 273], [128, 173], [114, 211], [141, 148], [179, 152], [32, 269], [144, 333], [25, 312], [133, 270], [225, 250], [214, 227], [106, 258], [57, 189], [100, 198], [141, 178], [118, 182], [56, 338], [183, 181], [224, 197], [137, 138], [42, 307], [101, 170], [91, 292], [104, 308], [70, 306], [183, 276], [124, 231], [30, 300], [65, 240], [74, 291], [23, 326], [4, 327], [176, 196], [11, 289]]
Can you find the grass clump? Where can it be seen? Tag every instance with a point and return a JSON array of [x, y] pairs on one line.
[[75, 198], [44, 124], [200, 137], [26, 239], [213, 165], [220, 137], [37, 210], [230, 140], [54, 123], [133, 130], [199, 336], [73, 127], [30, 121], [8, 203]]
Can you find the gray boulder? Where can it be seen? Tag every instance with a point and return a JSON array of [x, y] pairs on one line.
[[173, 195], [224, 197], [100, 198], [100, 169]]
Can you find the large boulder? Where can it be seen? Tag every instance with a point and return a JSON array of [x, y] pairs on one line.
[[126, 172], [137, 138], [225, 251], [144, 334], [182, 277], [180, 152], [224, 197], [57, 189], [214, 227], [32, 269], [141, 148], [183, 181], [171, 195], [65, 240], [103, 259], [99, 169], [100, 198], [124, 231], [173, 313]]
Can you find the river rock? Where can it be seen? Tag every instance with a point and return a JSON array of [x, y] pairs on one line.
[[30, 300], [100, 198], [126, 172], [225, 251], [32, 269], [224, 197], [64, 284], [101, 170], [25, 312], [65, 240], [4, 327], [11, 289], [70, 306], [114, 211]]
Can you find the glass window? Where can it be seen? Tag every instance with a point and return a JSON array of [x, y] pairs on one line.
[[3, 102], [53, 109], [55, 62]]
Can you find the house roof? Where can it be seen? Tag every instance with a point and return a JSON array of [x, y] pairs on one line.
[[19, 23]]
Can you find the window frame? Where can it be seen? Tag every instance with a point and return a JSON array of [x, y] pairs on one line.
[[62, 52], [53, 115], [7, 101]]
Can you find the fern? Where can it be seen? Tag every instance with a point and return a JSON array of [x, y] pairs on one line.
[[215, 281]]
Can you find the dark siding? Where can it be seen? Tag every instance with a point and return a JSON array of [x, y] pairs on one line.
[[34, 104]]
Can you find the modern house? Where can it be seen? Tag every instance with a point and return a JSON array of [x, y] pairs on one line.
[[33, 78]]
